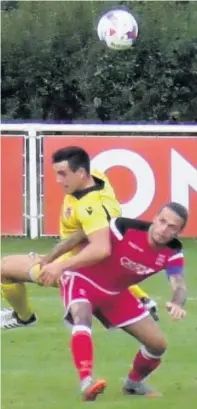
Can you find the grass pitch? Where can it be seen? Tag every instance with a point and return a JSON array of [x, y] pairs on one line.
[[37, 371]]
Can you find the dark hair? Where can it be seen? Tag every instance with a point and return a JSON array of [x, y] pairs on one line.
[[179, 209], [76, 157]]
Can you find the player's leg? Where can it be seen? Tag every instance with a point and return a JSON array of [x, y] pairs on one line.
[[77, 294], [16, 267], [21, 314], [14, 272], [148, 302], [149, 356], [127, 312]]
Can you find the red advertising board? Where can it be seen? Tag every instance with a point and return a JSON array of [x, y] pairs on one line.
[[145, 173], [11, 185]]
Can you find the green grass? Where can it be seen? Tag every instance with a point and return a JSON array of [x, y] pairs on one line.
[[37, 371]]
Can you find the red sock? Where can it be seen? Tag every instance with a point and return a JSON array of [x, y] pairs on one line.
[[82, 351], [143, 365]]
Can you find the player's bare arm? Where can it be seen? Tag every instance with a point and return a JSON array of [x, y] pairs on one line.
[[97, 249], [64, 246], [179, 290], [179, 295]]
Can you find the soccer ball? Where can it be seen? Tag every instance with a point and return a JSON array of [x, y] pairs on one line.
[[118, 29]]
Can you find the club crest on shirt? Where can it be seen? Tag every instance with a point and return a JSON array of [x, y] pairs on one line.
[[68, 212], [160, 260]]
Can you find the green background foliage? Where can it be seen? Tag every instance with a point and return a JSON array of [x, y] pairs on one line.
[[55, 68]]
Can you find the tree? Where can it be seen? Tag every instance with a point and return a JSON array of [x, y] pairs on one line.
[[54, 67]]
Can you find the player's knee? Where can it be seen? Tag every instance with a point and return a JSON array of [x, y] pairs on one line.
[[33, 273], [158, 346], [81, 328], [81, 314]]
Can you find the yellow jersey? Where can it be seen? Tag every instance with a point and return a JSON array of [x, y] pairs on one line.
[[90, 209]]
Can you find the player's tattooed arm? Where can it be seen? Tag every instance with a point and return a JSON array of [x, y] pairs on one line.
[[179, 290], [64, 246]]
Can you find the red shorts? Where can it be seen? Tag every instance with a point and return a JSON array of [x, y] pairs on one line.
[[112, 309]]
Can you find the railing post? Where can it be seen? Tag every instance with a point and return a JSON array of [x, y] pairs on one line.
[[33, 191]]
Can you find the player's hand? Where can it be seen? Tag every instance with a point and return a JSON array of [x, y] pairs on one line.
[[44, 261], [176, 312], [50, 274]]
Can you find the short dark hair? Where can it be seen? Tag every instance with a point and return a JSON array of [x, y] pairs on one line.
[[76, 157], [179, 209]]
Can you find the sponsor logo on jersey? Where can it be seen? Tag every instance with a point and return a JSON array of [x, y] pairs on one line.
[[137, 268]]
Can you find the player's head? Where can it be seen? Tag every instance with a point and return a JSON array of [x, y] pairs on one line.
[[72, 167], [168, 223]]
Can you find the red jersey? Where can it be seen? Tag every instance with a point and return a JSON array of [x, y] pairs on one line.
[[133, 259]]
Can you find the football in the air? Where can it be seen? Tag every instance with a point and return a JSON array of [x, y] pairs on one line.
[[118, 29]]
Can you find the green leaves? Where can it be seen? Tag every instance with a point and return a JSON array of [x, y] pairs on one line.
[[54, 67]]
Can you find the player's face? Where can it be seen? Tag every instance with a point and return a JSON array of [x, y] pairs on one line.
[[166, 225], [71, 181]]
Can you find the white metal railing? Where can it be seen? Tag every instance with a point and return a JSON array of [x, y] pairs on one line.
[[31, 128], [34, 132]]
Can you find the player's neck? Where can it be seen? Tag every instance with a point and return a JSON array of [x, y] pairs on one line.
[[89, 182]]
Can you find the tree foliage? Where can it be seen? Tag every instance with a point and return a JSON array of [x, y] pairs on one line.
[[54, 67]]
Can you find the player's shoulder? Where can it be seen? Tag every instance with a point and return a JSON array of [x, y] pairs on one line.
[[68, 200], [90, 199], [123, 224], [99, 175], [101, 179], [90, 204], [92, 192]]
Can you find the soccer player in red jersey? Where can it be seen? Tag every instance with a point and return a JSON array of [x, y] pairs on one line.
[[89, 203], [139, 250]]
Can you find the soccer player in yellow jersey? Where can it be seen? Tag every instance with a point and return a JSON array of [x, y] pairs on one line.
[[88, 205]]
